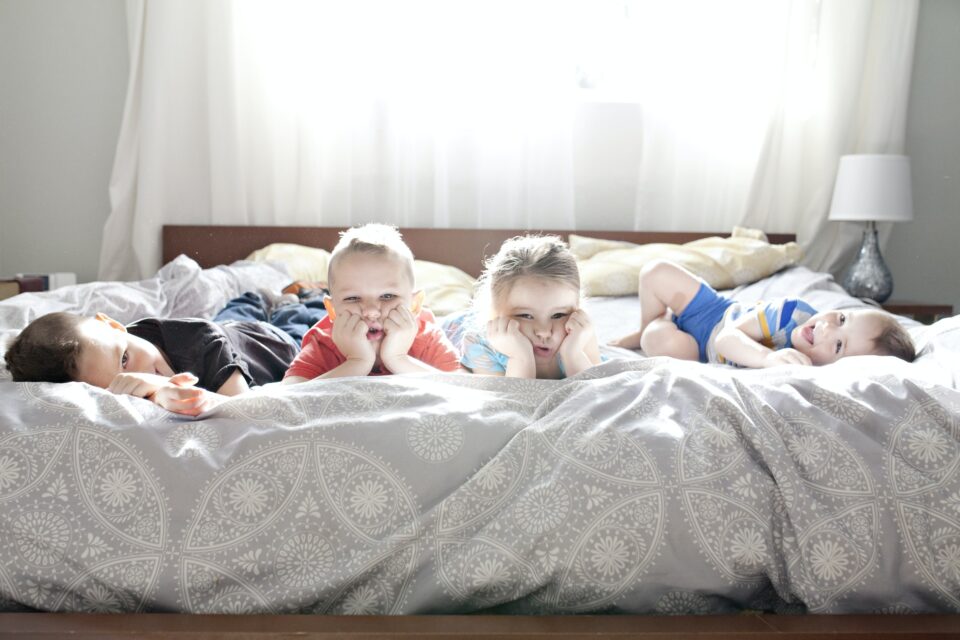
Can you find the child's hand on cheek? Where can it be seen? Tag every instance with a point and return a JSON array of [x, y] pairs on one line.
[[350, 336], [505, 336], [579, 331], [400, 327], [579, 350]]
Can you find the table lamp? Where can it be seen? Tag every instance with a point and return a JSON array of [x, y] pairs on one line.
[[871, 189]]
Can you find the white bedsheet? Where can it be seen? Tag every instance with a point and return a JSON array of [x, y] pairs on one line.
[[641, 485], [180, 289]]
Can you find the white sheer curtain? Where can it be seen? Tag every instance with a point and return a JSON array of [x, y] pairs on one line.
[[854, 100], [707, 77], [747, 106], [461, 113], [418, 113]]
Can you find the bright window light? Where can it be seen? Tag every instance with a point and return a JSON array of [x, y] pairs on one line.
[[717, 69]]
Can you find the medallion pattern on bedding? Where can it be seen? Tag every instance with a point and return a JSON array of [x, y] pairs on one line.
[[640, 486]]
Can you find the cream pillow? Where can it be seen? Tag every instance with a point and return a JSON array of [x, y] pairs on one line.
[[303, 263], [583, 247], [446, 288], [722, 262]]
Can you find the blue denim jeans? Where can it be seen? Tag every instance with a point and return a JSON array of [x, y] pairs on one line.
[[293, 319]]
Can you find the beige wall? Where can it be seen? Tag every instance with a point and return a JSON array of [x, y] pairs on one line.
[[920, 253], [63, 77], [63, 74]]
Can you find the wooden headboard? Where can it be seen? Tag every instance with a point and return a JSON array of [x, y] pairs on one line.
[[465, 249]]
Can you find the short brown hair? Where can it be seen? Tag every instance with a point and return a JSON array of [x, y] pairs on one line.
[[47, 349], [894, 340], [373, 238]]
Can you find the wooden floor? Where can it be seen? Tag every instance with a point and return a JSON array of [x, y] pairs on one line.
[[37, 626]]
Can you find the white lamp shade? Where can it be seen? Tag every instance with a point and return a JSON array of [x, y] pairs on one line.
[[873, 187]]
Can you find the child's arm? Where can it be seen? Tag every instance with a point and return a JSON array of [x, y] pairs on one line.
[[235, 385], [434, 354], [173, 397], [349, 367], [400, 328], [739, 343], [579, 349], [349, 336], [499, 352], [408, 364], [176, 393], [144, 385], [504, 335], [430, 349]]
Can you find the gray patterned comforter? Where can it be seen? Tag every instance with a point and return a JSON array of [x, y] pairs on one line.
[[642, 485]]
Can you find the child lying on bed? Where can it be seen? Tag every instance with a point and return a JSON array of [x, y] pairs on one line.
[[527, 321], [376, 323], [683, 317], [184, 365]]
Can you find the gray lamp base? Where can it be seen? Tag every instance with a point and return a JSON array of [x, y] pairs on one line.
[[868, 276]]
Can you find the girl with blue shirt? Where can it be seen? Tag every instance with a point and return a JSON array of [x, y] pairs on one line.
[[526, 321]]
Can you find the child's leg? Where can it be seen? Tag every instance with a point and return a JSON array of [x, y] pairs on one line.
[[296, 319], [662, 337], [249, 306], [664, 286]]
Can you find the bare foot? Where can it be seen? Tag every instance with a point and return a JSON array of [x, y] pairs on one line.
[[630, 341]]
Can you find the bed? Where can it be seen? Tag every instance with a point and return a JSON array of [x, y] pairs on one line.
[[642, 486]]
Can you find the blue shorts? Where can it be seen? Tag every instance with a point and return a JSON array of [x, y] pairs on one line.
[[701, 315]]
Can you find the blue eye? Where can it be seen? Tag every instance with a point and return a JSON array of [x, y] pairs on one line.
[[558, 315], [123, 360], [388, 296], [524, 316]]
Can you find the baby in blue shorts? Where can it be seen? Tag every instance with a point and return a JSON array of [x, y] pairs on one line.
[[683, 317]]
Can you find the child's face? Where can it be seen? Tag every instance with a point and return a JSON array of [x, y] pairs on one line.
[[371, 286], [830, 335], [107, 349], [542, 308]]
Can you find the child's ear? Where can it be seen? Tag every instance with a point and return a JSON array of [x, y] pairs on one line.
[[113, 324], [417, 305], [328, 305]]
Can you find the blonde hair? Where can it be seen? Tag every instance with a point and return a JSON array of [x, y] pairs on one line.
[[374, 239], [544, 257]]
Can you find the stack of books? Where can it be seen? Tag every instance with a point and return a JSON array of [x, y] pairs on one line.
[[23, 282]]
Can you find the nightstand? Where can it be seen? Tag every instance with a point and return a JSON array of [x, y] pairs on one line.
[[920, 311]]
